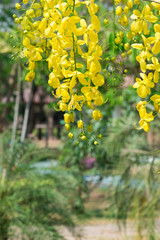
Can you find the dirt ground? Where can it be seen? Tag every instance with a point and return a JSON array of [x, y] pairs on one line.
[[103, 230], [51, 143]]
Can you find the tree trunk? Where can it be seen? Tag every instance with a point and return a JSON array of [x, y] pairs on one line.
[[50, 124], [15, 123], [16, 110], [26, 115]]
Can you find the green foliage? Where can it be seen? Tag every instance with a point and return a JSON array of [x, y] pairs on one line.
[[33, 201], [126, 154]]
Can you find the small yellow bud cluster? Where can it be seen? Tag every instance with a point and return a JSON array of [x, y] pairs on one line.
[[54, 32], [148, 47], [118, 39], [123, 11], [106, 21]]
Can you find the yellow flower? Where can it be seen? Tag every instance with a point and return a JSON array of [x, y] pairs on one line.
[[93, 8], [95, 23], [96, 114], [30, 76], [98, 80], [53, 80], [141, 106], [145, 121], [144, 54], [34, 53], [141, 19], [156, 41], [76, 102], [95, 67], [156, 99], [155, 66], [63, 106], [31, 65], [144, 86], [146, 118]]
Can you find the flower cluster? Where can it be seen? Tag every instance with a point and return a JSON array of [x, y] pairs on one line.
[[143, 17], [54, 32]]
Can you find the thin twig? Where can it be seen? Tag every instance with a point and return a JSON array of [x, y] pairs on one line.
[[152, 1]]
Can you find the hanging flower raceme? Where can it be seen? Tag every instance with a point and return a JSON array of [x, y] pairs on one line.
[[143, 16], [54, 32]]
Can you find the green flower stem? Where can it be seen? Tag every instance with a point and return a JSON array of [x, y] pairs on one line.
[[74, 45], [74, 50], [114, 20]]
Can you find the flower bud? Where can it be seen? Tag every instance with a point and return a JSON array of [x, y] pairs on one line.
[[17, 6], [119, 11], [67, 126], [70, 135], [80, 124], [67, 118], [83, 138], [96, 114], [106, 21], [89, 128]]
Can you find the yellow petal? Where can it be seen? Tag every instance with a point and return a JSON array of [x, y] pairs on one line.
[[142, 91], [73, 82], [156, 47], [82, 79], [138, 46], [95, 23], [95, 67], [143, 124], [98, 80], [143, 65], [156, 76], [151, 18]]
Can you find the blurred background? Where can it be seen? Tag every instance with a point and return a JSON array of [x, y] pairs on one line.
[[52, 188]]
